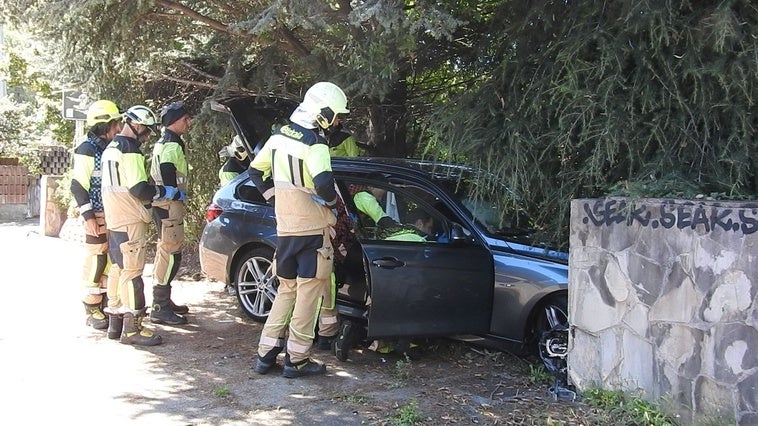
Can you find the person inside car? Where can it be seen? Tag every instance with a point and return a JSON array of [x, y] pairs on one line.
[[421, 229]]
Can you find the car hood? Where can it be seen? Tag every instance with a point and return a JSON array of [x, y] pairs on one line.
[[255, 116]]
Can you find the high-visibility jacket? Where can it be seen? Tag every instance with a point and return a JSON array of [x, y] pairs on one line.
[[231, 168], [366, 203], [169, 165], [127, 195], [292, 167], [343, 144], [85, 182]]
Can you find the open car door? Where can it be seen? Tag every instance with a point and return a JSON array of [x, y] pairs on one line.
[[428, 289]]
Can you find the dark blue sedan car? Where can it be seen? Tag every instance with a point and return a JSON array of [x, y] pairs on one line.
[[475, 275]]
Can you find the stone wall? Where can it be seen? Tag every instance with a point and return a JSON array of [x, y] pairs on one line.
[[662, 302], [52, 216]]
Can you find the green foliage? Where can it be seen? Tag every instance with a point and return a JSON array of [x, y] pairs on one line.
[[538, 374], [30, 115], [562, 100], [208, 133], [403, 370], [627, 410], [408, 415], [584, 100], [353, 399], [221, 392]]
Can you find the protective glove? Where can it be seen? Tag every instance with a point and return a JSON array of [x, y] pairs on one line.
[[321, 201], [172, 193]]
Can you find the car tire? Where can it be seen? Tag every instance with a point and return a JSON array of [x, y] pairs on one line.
[[255, 282], [551, 333]]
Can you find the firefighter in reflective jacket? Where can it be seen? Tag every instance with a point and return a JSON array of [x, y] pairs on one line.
[[127, 198], [237, 161], [294, 168], [169, 167], [104, 122]]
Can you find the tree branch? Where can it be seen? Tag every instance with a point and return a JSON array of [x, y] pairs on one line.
[[220, 26], [203, 84], [199, 71], [292, 41]]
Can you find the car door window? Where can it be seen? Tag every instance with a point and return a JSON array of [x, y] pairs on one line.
[[386, 212]]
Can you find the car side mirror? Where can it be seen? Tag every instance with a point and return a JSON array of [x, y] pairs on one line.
[[457, 234]]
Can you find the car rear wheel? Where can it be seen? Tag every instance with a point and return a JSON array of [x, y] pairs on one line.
[[551, 333], [256, 283]]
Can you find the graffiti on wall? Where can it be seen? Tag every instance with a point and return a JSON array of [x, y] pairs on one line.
[[668, 214]]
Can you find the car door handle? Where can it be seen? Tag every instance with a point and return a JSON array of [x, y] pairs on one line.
[[387, 262]]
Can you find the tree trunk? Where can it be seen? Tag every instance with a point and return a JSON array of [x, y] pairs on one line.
[[388, 123]]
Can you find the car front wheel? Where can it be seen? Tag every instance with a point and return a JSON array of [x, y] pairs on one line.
[[256, 283], [551, 332]]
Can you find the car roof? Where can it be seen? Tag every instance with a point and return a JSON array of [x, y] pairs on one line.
[[407, 166]]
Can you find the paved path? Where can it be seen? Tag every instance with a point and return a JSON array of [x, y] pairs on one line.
[[54, 370]]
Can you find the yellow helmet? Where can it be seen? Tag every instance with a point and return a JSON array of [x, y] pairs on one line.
[[102, 111]]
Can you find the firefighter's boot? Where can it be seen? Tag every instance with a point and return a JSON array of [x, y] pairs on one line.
[[95, 317], [115, 325], [134, 333], [306, 367], [161, 312], [178, 309], [264, 363]]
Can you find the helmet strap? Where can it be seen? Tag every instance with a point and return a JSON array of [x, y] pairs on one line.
[[137, 134], [325, 118]]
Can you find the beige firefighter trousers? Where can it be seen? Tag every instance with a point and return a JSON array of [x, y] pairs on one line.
[[297, 307], [129, 293], [171, 233]]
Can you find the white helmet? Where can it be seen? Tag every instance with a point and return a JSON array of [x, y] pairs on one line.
[[143, 115], [237, 148], [327, 100]]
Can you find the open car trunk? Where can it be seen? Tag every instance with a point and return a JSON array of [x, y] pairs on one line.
[[254, 117]]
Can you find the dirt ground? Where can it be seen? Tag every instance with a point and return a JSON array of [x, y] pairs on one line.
[[56, 369]]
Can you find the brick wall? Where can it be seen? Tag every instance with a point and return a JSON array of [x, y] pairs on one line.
[[14, 184], [54, 160]]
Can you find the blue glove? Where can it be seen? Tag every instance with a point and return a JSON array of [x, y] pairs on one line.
[[321, 201], [172, 193]]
